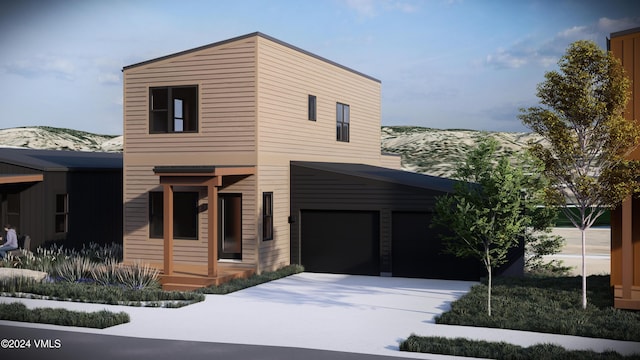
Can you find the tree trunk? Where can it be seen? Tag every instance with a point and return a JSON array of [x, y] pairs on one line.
[[584, 268], [489, 292], [487, 264]]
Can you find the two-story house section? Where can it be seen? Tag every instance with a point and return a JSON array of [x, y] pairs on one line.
[[237, 154]]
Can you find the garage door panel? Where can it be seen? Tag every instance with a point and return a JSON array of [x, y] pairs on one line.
[[417, 251], [341, 242]]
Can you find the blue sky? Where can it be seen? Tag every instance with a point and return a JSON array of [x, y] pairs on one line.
[[442, 63]]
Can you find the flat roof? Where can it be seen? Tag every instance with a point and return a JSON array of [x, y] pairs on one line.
[[379, 173], [60, 160], [259, 34], [625, 32]]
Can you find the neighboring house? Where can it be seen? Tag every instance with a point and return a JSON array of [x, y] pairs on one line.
[[65, 197], [625, 220], [286, 145]]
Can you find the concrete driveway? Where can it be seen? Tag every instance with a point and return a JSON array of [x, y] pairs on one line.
[[359, 314]]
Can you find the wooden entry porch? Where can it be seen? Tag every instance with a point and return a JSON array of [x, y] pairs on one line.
[[190, 277]]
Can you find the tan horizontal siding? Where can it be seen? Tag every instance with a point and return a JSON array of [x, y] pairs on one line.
[[275, 253], [225, 76], [285, 79]]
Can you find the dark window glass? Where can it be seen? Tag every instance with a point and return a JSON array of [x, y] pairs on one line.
[[13, 209], [312, 107], [342, 122], [185, 215], [230, 230], [267, 216], [62, 213], [174, 109]]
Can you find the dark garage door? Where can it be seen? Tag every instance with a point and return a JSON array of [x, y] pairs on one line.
[[341, 242], [417, 251]]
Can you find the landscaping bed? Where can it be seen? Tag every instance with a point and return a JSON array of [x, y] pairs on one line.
[[540, 304], [99, 320], [501, 350], [548, 305]]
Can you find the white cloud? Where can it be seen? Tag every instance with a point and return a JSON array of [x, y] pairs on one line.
[[42, 66], [607, 25], [109, 78], [503, 59], [371, 8], [545, 53]]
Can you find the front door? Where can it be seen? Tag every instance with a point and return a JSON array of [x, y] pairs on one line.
[[230, 220]]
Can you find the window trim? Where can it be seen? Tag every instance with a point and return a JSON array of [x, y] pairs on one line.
[[160, 235], [64, 213], [170, 110], [267, 216], [343, 121], [312, 108]]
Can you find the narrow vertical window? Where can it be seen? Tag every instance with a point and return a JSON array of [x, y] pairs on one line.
[[267, 216], [62, 213], [342, 122], [312, 107]]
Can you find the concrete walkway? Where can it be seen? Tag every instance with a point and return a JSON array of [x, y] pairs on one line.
[[359, 314]]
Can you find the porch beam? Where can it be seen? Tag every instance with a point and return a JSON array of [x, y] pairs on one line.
[[17, 179], [167, 220], [212, 238]]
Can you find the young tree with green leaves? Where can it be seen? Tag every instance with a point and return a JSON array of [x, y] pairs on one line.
[[586, 138], [483, 217]]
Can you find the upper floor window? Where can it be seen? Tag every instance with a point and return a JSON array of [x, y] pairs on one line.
[[312, 107], [342, 122], [173, 109]]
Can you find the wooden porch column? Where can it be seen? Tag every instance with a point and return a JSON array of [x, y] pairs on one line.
[[212, 245], [627, 248], [167, 223]]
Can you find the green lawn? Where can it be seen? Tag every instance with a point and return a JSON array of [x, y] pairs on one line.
[[540, 304], [550, 305]]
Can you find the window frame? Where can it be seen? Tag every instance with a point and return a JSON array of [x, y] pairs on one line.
[[61, 213], [157, 232], [312, 108], [343, 121], [170, 114], [267, 216]]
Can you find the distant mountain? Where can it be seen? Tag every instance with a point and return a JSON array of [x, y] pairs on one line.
[[436, 152], [45, 137], [424, 150]]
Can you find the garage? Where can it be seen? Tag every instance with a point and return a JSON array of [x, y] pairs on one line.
[[418, 251], [369, 220], [340, 242]]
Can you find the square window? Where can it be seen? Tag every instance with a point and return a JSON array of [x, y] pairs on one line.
[[185, 215], [173, 109]]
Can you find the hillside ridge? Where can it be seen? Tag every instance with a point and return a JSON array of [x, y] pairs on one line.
[[423, 150]]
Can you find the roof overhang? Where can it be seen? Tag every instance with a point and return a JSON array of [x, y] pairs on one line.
[[206, 170], [21, 178], [200, 174]]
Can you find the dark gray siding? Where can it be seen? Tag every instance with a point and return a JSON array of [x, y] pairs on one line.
[[95, 206], [313, 189], [408, 246]]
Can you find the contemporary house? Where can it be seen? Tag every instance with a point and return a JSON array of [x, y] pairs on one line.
[[625, 220], [250, 154], [69, 198]]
